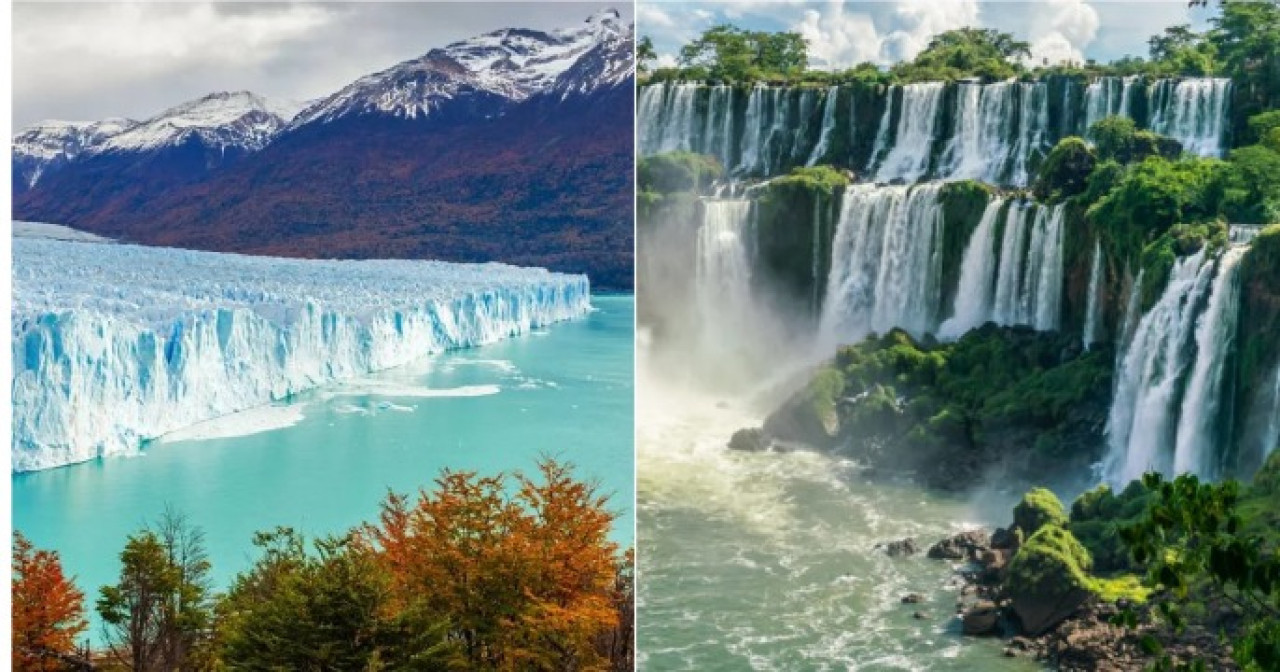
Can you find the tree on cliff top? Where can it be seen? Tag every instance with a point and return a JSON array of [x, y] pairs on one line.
[[730, 53], [966, 52]]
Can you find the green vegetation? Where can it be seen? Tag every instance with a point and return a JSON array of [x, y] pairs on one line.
[[1197, 544], [676, 171], [1065, 171], [950, 410], [731, 54], [1118, 139], [965, 52], [1039, 507]]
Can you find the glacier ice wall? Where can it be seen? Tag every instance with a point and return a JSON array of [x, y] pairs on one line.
[[117, 344]]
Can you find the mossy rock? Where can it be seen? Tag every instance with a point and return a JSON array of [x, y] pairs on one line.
[[1038, 508], [1066, 170], [809, 417], [1049, 578]]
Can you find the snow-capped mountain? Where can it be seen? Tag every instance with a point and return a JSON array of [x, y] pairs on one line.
[[50, 144], [511, 146], [488, 72], [237, 120], [224, 124]]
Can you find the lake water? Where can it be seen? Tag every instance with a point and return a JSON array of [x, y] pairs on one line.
[[324, 462]]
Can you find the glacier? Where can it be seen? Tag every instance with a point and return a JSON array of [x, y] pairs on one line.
[[114, 345]]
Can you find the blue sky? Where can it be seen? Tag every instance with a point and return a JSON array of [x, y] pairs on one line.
[[844, 33]]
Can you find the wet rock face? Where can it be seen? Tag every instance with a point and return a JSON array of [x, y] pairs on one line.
[[901, 548], [751, 439], [967, 545], [981, 619]]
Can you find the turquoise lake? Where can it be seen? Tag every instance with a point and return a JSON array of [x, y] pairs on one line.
[[566, 392]]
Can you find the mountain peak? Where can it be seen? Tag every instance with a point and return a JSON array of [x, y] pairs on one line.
[[222, 120], [485, 73]]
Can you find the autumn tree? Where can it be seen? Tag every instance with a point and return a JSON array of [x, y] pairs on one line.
[[48, 611], [158, 616], [526, 579]]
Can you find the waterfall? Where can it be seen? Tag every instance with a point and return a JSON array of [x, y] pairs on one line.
[[1271, 430], [723, 271], [1194, 113], [1108, 97], [1093, 308], [977, 277], [670, 118], [753, 123], [828, 125], [979, 143], [882, 133], [912, 147], [1140, 425], [1028, 287], [885, 262], [1009, 275], [1202, 401], [1044, 298], [718, 131], [1033, 124]]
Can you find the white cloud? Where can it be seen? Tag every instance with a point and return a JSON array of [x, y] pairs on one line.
[[921, 20], [1070, 26], [839, 38]]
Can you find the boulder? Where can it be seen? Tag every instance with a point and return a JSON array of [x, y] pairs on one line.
[[1048, 580], [1004, 538], [751, 439], [981, 619], [900, 548], [912, 598], [964, 546]]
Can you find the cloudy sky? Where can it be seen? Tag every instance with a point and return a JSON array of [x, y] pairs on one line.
[[841, 33], [86, 61]]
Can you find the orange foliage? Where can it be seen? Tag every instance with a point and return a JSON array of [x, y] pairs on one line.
[[527, 580], [48, 612]]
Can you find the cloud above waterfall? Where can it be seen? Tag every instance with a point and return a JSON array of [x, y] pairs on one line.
[[1069, 27], [843, 33]]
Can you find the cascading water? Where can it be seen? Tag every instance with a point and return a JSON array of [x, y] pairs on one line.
[[917, 119], [885, 262], [671, 111], [1107, 97], [980, 140], [977, 276], [1202, 401], [828, 126], [1141, 429], [1093, 307], [1021, 283], [1193, 112], [995, 132], [723, 272], [718, 132]]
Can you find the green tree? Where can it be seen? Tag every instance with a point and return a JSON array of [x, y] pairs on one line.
[[1180, 51], [325, 610], [159, 615], [727, 52], [1192, 539], [1247, 38], [645, 54], [967, 52], [1118, 138]]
